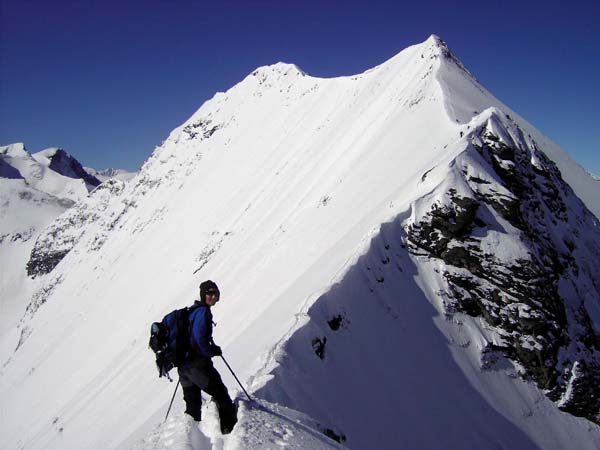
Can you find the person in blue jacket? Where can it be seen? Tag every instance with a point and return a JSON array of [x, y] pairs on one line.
[[197, 373]]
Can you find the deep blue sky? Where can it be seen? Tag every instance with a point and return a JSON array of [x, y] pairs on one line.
[[108, 80]]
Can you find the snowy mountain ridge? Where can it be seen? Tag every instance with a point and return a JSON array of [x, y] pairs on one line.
[[62, 162], [111, 173], [466, 274], [539, 289], [341, 219], [44, 171]]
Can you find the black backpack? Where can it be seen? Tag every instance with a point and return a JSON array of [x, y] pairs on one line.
[[170, 340]]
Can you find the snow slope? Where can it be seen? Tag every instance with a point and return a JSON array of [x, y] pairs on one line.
[[425, 355], [34, 190], [24, 212], [287, 190]]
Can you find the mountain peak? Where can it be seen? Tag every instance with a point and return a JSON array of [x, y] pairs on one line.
[[278, 71], [16, 150], [63, 163], [434, 39], [432, 49], [439, 47]]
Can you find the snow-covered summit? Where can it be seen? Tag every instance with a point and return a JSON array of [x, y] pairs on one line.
[[32, 196], [62, 162], [16, 150], [278, 70], [17, 157], [52, 171], [368, 233]]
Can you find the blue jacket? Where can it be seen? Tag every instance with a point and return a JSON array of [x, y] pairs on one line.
[[201, 327]]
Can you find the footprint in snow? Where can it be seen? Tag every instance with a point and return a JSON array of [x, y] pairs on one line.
[[210, 428], [180, 432]]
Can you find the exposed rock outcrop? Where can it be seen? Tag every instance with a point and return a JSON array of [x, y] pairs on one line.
[[521, 251], [85, 218]]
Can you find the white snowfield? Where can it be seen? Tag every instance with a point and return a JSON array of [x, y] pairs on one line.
[[293, 194]]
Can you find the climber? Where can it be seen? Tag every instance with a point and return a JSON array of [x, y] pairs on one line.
[[197, 372]]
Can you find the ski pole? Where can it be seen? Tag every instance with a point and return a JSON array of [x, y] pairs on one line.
[[171, 404], [236, 378]]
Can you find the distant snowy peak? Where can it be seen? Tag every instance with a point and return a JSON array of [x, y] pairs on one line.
[[110, 173], [52, 171], [16, 150], [63, 163], [16, 161], [26, 203]]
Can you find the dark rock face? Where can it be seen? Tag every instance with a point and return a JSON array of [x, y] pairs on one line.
[[535, 298], [8, 171], [66, 165], [336, 322], [318, 346], [60, 237], [340, 438], [581, 395], [202, 128], [42, 261]]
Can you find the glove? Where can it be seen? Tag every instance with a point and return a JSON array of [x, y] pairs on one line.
[[216, 350]]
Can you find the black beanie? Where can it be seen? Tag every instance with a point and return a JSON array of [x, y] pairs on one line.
[[205, 286]]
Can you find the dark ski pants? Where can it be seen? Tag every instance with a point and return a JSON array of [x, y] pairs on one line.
[[202, 376]]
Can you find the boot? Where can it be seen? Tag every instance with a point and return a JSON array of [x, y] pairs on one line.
[[227, 416], [195, 415]]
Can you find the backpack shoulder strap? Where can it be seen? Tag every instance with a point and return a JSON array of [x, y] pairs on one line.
[[194, 307]]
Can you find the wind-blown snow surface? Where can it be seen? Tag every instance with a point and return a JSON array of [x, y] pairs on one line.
[[283, 191]]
